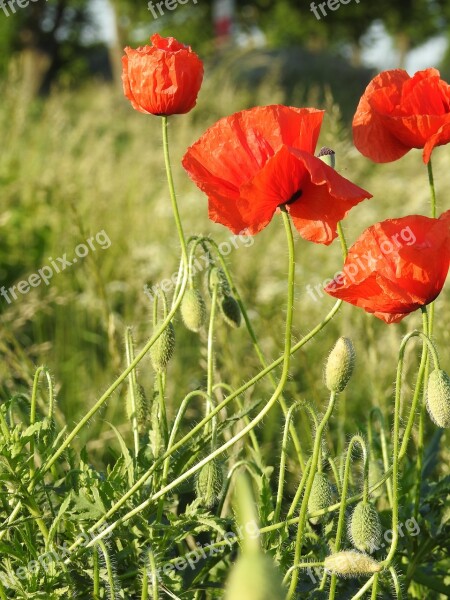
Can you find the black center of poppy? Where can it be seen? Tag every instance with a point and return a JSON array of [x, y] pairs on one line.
[[295, 196]]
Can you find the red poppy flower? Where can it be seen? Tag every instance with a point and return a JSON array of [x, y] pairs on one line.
[[162, 79], [254, 161], [396, 266], [398, 112]]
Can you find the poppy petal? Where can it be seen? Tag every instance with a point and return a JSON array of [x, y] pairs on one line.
[[370, 135]]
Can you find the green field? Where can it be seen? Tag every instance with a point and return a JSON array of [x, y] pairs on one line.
[[79, 163]]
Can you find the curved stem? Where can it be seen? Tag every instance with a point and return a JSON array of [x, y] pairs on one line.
[[257, 347], [396, 582], [384, 450], [217, 409], [396, 454], [275, 396], [357, 439], [304, 505], [39, 371], [281, 472]]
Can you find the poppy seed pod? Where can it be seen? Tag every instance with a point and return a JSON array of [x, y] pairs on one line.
[[321, 496], [350, 563], [340, 365], [438, 398], [162, 350], [193, 310], [365, 528]]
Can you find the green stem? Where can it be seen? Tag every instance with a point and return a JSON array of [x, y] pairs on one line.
[[96, 574], [162, 407], [357, 439], [132, 390], [172, 193], [152, 565], [210, 367], [216, 410], [384, 450], [109, 571], [304, 505], [283, 379], [173, 433], [396, 454], [304, 565], [37, 377], [364, 588], [428, 345], [396, 582], [257, 348], [76, 430], [432, 189], [282, 468]]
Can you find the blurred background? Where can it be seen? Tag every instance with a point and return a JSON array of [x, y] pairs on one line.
[[76, 160]]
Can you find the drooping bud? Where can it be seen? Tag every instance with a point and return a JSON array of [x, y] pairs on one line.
[[321, 496], [162, 350], [230, 310], [210, 483], [365, 528], [340, 365], [350, 563], [438, 398], [193, 310]]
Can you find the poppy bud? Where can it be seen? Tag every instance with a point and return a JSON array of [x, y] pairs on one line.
[[365, 527], [142, 408], [230, 310], [351, 564], [193, 310], [340, 365], [209, 483], [162, 350], [162, 79], [321, 496], [438, 398]]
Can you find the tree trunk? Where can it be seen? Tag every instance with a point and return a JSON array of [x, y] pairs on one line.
[[403, 43]]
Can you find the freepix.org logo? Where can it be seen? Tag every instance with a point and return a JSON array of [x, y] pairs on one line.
[[332, 5]]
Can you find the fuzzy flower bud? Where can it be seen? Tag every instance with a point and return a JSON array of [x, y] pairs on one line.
[[193, 310], [340, 365], [438, 398], [365, 528], [321, 496], [351, 564], [162, 350]]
